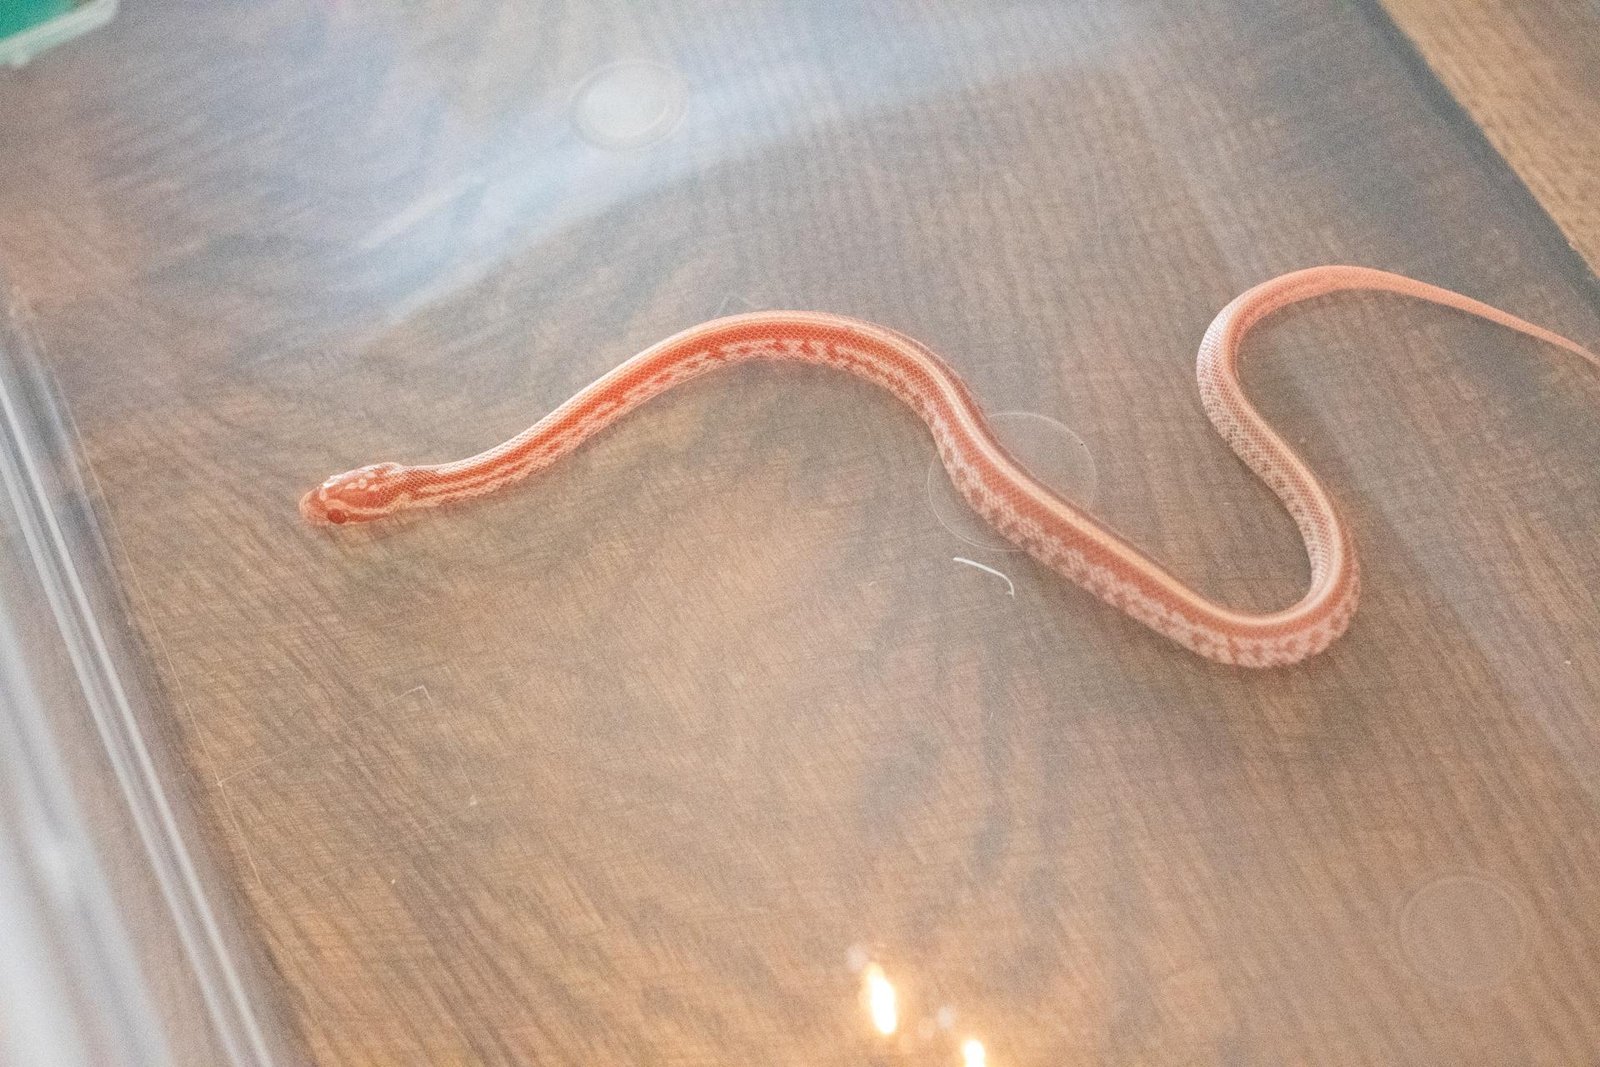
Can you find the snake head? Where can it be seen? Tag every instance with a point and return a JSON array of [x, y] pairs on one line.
[[361, 495]]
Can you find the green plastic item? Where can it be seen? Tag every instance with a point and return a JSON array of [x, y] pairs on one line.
[[28, 27], [18, 15]]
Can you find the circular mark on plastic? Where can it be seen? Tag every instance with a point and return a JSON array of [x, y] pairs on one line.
[[629, 104], [1054, 454], [1465, 931]]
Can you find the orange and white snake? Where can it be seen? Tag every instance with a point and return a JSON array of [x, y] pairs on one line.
[[1049, 527]]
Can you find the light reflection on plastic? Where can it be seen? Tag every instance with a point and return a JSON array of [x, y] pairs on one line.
[[880, 999], [973, 1053]]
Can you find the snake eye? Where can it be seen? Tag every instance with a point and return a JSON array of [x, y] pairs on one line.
[[337, 517]]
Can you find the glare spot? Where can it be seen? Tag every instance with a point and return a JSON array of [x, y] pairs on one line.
[[973, 1054], [880, 999], [630, 104]]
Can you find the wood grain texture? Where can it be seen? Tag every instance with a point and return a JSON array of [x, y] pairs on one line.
[[1529, 75], [619, 767]]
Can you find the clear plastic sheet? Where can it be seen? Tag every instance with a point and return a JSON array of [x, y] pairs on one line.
[[733, 738], [119, 947]]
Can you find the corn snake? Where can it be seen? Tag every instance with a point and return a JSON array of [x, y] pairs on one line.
[[1047, 526]]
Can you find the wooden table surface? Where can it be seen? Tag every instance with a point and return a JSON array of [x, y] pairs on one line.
[[640, 763]]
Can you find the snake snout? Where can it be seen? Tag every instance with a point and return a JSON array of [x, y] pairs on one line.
[[318, 509]]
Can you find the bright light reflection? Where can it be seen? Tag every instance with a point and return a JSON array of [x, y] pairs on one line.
[[973, 1054], [881, 1001]]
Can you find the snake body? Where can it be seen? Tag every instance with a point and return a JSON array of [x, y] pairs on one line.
[[1047, 526]]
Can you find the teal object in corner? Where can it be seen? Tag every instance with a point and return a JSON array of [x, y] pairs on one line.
[[19, 15]]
